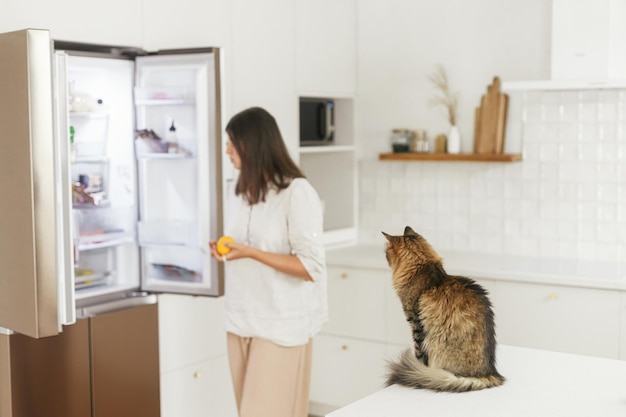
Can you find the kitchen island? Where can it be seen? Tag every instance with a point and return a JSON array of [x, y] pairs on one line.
[[539, 383]]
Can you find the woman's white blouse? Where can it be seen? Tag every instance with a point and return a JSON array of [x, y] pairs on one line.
[[261, 301]]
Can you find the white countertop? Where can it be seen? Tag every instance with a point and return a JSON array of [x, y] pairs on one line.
[[589, 274], [539, 383]]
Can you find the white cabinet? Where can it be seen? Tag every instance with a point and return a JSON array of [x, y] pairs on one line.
[[587, 39], [261, 62], [345, 370], [203, 389], [349, 355], [195, 379], [356, 303], [566, 319], [118, 22], [332, 170], [326, 47], [325, 57], [186, 24]]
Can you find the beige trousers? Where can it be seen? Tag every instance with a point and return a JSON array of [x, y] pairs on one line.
[[269, 380]]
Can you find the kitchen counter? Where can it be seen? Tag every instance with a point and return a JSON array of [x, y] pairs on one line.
[[586, 274], [539, 383]]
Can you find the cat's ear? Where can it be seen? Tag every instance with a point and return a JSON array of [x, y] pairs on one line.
[[409, 232], [388, 237]]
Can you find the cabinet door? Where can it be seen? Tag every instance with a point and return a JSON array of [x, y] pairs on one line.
[[585, 39], [326, 47], [565, 319], [356, 303], [200, 390], [125, 363], [345, 370], [191, 330], [50, 376], [262, 62], [188, 24], [119, 23]]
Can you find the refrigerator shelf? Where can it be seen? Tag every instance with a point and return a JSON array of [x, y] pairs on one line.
[[85, 278], [165, 102], [104, 240], [91, 160], [88, 115], [163, 155], [104, 204]]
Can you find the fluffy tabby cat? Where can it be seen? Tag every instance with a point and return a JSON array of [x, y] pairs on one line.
[[451, 319]]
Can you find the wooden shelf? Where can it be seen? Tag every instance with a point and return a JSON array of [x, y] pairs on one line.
[[462, 157]]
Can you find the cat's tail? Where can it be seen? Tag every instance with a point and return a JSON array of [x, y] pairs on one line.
[[413, 373]]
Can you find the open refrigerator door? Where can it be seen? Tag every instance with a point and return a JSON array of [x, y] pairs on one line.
[[178, 150]]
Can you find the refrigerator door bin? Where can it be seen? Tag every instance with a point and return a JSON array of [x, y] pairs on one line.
[[169, 189], [164, 232], [165, 95], [175, 269]]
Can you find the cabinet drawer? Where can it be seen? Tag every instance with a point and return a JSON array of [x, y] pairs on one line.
[[356, 303], [204, 389], [565, 319], [345, 370]]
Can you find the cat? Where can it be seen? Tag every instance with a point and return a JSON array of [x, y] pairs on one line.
[[451, 319]]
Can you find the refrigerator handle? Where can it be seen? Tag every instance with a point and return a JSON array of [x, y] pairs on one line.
[[65, 240]]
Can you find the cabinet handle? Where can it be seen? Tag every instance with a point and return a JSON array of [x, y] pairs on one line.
[[344, 347], [344, 275], [554, 296], [197, 374]]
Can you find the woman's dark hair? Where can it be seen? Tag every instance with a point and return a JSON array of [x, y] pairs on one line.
[[265, 160]]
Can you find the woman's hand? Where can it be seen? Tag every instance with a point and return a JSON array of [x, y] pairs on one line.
[[237, 251], [289, 264]]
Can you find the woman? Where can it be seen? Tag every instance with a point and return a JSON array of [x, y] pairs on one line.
[[275, 294]]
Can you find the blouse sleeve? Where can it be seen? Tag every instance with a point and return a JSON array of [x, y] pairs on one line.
[[306, 228]]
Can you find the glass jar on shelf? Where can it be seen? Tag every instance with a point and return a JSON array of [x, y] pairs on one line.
[[419, 142], [400, 139]]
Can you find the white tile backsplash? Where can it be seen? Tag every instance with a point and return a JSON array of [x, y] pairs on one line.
[[565, 199]]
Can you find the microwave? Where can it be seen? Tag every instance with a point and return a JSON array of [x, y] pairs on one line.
[[317, 121]]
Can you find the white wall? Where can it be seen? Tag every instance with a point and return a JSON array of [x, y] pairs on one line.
[[566, 199], [400, 42]]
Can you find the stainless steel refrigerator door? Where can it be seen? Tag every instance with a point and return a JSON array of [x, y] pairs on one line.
[[180, 202], [65, 267], [28, 199]]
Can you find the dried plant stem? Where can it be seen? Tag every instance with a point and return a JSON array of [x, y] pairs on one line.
[[446, 97]]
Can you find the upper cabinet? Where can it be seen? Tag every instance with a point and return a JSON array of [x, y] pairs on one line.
[[587, 40], [186, 24], [326, 47], [119, 22]]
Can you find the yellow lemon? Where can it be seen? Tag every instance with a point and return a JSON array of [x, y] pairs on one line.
[[221, 248]]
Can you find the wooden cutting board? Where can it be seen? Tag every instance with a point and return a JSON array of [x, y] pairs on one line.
[[490, 120]]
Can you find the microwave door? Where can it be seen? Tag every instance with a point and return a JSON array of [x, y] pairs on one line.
[[28, 255]]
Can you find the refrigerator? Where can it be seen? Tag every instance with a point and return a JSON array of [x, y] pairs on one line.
[[110, 178]]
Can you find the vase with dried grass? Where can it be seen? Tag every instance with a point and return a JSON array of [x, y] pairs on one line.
[[449, 100]]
